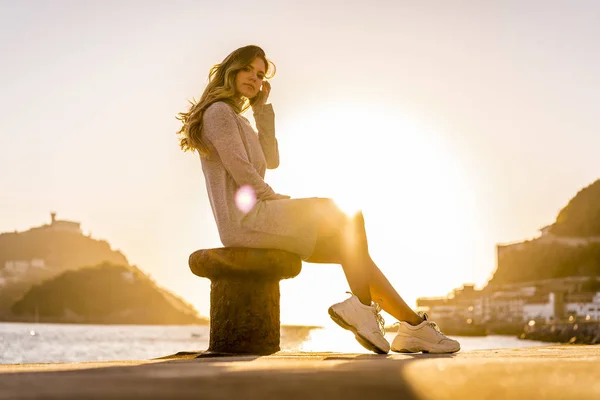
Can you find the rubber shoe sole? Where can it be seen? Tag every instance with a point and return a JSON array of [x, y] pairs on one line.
[[416, 346], [359, 338]]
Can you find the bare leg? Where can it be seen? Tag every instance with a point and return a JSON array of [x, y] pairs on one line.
[[358, 273], [380, 288], [343, 240], [339, 242], [390, 301]]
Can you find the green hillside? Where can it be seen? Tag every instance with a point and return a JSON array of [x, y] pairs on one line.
[[104, 294]]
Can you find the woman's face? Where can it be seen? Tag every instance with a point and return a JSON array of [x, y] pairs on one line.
[[249, 79]]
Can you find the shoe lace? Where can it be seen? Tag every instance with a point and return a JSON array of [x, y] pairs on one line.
[[380, 321], [431, 323], [435, 326], [376, 308]]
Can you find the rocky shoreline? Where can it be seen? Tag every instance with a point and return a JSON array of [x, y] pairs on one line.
[[567, 332]]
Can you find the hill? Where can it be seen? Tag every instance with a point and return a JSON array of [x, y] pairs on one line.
[[569, 247], [537, 260], [104, 294], [41, 253], [581, 216]]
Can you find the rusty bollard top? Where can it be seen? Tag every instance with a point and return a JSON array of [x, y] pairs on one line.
[[239, 261]]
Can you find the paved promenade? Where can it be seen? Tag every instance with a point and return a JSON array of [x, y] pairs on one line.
[[556, 372]]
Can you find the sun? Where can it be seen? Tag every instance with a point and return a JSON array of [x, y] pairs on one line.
[[348, 203], [419, 207]]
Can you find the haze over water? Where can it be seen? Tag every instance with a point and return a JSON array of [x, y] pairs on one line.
[[36, 343]]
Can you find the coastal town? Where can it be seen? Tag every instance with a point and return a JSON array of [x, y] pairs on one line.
[[508, 307]]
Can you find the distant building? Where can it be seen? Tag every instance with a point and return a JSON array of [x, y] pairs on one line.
[[547, 300], [545, 231], [438, 308], [19, 267], [469, 303], [464, 303], [128, 276], [540, 308], [507, 305], [58, 225], [544, 300], [64, 225], [547, 237], [584, 306], [16, 267]]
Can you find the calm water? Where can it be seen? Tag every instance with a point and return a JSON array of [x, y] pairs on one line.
[[33, 343]]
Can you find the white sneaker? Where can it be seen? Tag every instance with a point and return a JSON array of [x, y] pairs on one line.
[[364, 321], [425, 337]]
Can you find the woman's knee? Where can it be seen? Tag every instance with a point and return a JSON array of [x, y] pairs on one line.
[[327, 250], [331, 207], [330, 218]]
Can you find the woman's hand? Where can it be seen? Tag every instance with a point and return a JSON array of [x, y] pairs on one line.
[[262, 96]]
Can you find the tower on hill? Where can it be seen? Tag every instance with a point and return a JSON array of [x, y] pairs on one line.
[[64, 225]]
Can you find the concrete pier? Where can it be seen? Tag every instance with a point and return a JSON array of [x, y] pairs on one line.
[[554, 372]]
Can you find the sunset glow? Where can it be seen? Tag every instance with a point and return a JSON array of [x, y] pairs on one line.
[[448, 143]]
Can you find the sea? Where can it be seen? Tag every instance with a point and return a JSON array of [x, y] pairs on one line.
[[56, 343]]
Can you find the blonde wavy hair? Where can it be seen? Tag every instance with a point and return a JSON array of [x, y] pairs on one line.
[[220, 87]]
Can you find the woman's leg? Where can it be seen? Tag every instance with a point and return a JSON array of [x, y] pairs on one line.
[[381, 289], [337, 243], [390, 301], [343, 240]]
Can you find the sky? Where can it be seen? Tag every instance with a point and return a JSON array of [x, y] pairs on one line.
[[454, 125]]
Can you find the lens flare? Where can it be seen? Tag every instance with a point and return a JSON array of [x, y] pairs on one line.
[[245, 198]]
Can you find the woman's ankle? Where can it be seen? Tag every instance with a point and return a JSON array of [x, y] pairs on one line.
[[364, 299], [414, 320]]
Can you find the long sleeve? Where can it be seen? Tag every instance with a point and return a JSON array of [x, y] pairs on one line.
[[265, 124], [221, 129]]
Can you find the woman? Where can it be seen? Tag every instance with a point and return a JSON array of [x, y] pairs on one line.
[[249, 213]]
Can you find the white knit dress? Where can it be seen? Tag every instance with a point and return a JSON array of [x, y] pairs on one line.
[[238, 157]]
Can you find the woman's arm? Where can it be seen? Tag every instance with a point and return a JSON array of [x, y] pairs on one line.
[[220, 128], [265, 124]]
